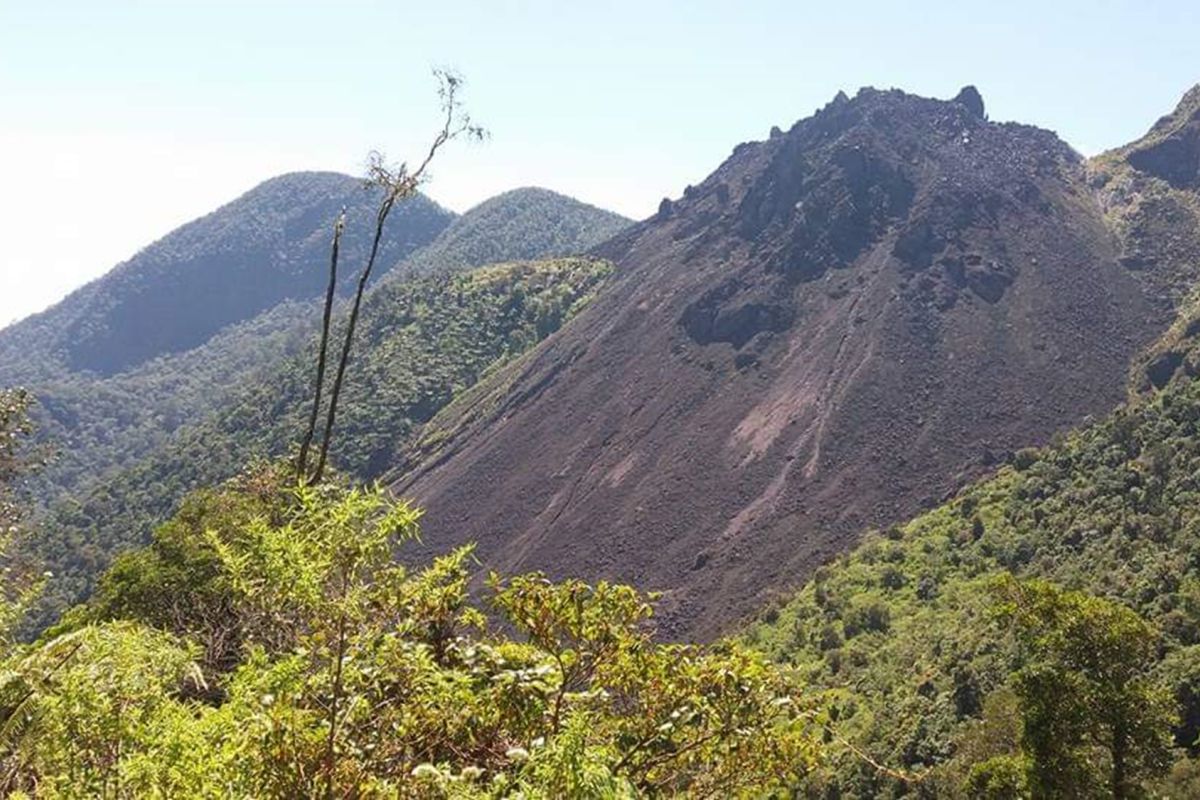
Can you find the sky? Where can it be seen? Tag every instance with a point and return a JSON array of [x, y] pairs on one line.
[[121, 120]]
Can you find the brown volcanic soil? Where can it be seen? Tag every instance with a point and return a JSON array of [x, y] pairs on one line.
[[839, 326]]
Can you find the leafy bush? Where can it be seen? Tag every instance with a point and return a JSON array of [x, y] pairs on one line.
[[314, 664]]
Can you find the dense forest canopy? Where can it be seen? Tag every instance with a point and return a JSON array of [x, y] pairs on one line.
[[102, 424]]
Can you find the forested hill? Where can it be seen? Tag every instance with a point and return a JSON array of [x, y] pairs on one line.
[[276, 235], [157, 342], [517, 225], [267, 246]]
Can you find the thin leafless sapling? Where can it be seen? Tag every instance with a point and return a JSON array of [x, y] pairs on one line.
[[338, 226], [397, 184]]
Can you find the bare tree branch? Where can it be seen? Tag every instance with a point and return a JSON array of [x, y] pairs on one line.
[[302, 462], [397, 184]]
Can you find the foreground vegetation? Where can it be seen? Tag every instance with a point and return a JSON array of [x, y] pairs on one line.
[[268, 644]]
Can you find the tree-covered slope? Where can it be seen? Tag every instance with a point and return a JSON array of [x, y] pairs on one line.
[[517, 225], [160, 340], [275, 236], [902, 626], [96, 425], [265, 247], [419, 344]]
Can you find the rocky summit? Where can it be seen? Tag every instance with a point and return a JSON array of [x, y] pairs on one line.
[[839, 326]]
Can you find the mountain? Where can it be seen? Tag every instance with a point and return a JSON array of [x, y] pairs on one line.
[[267, 246], [904, 621], [1150, 191], [838, 327], [266, 249], [518, 225], [123, 362], [1170, 151]]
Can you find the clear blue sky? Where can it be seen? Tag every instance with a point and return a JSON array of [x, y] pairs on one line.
[[120, 120]]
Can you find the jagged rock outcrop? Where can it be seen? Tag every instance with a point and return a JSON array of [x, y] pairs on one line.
[[1171, 151], [1150, 190]]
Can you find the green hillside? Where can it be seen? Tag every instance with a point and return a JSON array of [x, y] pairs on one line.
[[903, 628], [419, 344], [271, 243], [516, 225]]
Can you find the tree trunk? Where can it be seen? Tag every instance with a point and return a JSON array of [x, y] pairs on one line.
[[1120, 752], [302, 461], [384, 210]]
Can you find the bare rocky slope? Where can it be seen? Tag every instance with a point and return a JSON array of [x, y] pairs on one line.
[[835, 329]]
